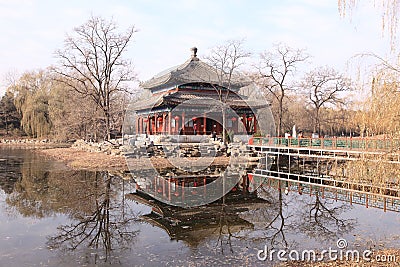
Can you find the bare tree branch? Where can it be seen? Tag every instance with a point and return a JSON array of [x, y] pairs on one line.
[[274, 69], [226, 60], [91, 63], [323, 86]]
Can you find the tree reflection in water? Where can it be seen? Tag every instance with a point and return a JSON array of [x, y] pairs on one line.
[[314, 216], [278, 230], [275, 219], [105, 228], [226, 226], [100, 218], [322, 219]]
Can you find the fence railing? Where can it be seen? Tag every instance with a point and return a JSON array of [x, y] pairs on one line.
[[381, 201], [386, 144]]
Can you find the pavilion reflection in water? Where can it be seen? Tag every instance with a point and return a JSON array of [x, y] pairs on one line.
[[193, 184], [195, 224]]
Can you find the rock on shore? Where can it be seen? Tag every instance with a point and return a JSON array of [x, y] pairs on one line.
[[108, 156]]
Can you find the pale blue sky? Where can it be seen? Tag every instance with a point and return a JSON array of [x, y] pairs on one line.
[[31, 30]]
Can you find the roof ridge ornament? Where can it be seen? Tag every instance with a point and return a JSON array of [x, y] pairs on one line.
[[194, 53]]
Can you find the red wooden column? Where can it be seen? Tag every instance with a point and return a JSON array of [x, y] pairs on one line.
[[183, 189], [220, 128], [164, 188], [234, 125], [176, 128], [244, 121], [155, 123], [205, 124], [249, 126], [164, 124], [255, 124], [137, 125], [148, 125], [183, 122], [140, 125], [169, 123], [169, 189]]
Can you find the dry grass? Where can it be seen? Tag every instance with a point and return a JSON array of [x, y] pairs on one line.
[[78, 159]]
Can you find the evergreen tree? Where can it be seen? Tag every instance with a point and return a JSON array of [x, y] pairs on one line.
[[9, 116]]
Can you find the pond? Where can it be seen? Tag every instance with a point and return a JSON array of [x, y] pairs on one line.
[[54, 216]]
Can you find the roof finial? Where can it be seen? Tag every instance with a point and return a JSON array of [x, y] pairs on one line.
[[194, 52]]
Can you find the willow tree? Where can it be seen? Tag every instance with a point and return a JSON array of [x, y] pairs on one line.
[[380, 112], [31, 93], [92, 63], [390, 11]]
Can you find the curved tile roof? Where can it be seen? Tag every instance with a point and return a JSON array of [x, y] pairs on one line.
[[193, 70], [200, 99]]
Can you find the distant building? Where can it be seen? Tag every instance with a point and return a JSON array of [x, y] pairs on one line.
[[184, 100]]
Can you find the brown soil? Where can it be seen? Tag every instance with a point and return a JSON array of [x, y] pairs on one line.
[[78, 159]]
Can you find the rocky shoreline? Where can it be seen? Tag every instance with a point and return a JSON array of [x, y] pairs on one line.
[[109, 156], [31, 143], [113, 156], [78, 159]]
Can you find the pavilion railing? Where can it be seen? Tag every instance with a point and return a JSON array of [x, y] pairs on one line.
[[355, 143]]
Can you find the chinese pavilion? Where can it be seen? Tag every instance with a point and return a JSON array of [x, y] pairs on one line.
[[186, 100]]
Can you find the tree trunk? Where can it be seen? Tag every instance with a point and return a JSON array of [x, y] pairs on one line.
[[279, 130], [317, 127], [108, 134], [223, 124]]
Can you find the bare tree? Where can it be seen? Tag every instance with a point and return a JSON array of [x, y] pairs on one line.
[[74, 116], [92, 63], [323, 86], [274, 71], [226, 60]]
